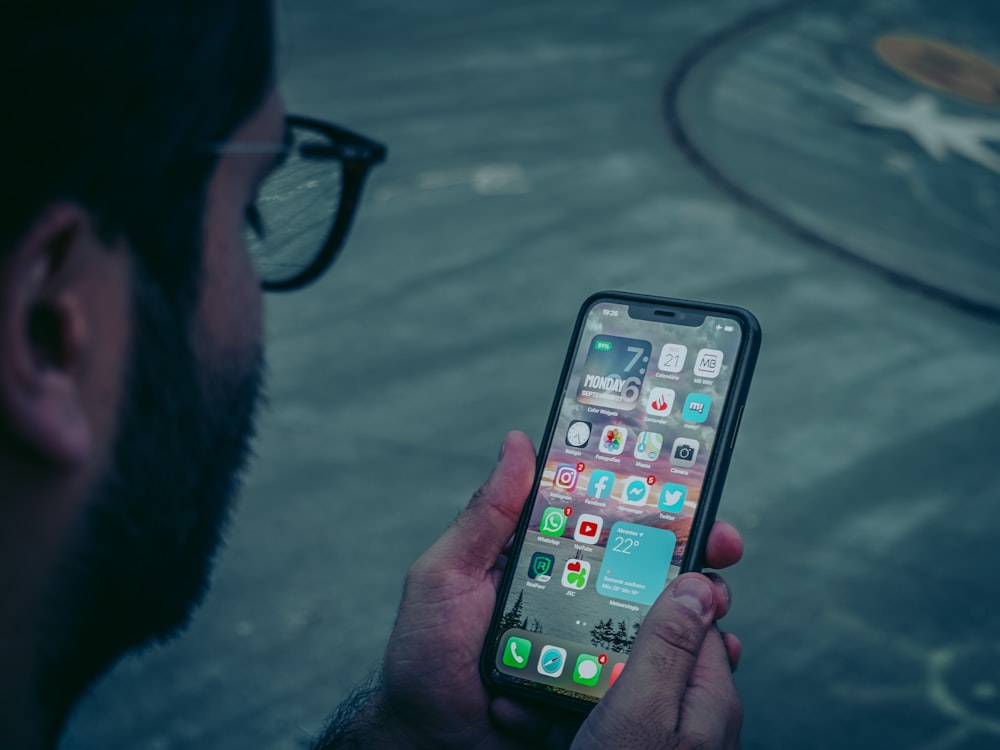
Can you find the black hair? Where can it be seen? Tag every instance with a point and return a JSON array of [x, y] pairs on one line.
[[115, 104]]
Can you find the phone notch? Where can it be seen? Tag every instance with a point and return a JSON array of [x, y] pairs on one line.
[[676, 316]]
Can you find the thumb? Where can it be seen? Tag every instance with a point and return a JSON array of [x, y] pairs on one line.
[[479, 534], [644, 705]]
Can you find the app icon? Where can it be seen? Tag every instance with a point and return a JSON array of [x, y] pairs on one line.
[[541, 567], [613, 372], [696, 407], [601, 484], [708, 363], [672, 357], [587, 670], [516, 652], [660, 401], [672, 498], [553, 522], [578, 433], [575, 574], [648, 446], [635, 491], [616, 671], [588, 529], [613, 439], [551, 661], [565, 478], [685, 452]]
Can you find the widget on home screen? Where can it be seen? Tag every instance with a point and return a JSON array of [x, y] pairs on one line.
[[613, 372], [636, 562]]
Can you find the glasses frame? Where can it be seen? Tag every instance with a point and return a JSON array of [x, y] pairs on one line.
[[357, 155]]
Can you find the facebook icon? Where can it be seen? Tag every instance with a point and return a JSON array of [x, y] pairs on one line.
[[601, 484]]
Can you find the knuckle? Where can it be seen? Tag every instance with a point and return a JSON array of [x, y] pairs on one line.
[[682, 633]]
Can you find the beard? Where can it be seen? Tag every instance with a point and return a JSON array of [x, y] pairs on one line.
[[143, 557]]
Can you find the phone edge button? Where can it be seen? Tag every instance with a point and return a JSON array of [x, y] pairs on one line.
[[736, 429]]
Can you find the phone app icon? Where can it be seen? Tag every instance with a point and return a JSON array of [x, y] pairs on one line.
[[541, 567], [588, 529], [587, 670], [551, 661], [672, 498], [613, 372], [578, 433], [613, 439], [601, 484], [635, 491], [516, 652], [648, 446], [660, 401], [708, 363], [696, 407], [672, 357], [684, 452], [553, 522], [565, 478], [575, 574]]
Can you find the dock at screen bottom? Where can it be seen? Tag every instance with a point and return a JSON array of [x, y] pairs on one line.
[[564, 665]]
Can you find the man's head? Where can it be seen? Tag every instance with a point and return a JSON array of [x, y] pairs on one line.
[[129, 323]]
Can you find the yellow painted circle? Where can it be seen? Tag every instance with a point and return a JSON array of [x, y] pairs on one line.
[[943, 67]]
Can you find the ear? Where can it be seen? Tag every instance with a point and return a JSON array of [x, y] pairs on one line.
[[47, 304]]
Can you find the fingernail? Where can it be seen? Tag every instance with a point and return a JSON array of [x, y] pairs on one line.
[[695, 594], [503, 449]]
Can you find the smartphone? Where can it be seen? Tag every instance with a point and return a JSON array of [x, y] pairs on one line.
[[629, 476]]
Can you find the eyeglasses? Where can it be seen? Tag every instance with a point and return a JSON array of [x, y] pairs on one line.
[[304, 209]]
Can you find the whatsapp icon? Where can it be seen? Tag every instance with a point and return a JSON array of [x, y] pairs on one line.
[[553, 522]]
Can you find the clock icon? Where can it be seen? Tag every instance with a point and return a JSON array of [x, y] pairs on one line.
[[578, 433]]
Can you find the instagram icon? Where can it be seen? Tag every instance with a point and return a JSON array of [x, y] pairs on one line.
[[565, 478]]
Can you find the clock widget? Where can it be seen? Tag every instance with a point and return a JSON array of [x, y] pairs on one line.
[[578, 433]]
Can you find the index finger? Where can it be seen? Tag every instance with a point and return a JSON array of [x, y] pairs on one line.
[[724, 547]]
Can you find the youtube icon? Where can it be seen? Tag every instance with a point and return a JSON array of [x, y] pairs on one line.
[[588, 528]]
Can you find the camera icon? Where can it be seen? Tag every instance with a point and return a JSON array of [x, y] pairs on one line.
[[684, 452]]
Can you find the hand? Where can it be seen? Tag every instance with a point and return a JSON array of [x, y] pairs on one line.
[[677, 689], [447, 603]]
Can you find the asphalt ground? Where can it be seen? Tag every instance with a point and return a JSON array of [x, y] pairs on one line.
[[788, 160]]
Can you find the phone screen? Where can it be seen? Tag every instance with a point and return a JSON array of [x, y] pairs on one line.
[[628, 455]]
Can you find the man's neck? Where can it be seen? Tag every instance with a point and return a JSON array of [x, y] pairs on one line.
[[28, 561], [22, 721]]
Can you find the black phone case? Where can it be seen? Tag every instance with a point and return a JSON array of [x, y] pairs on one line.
[[711, 489]]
